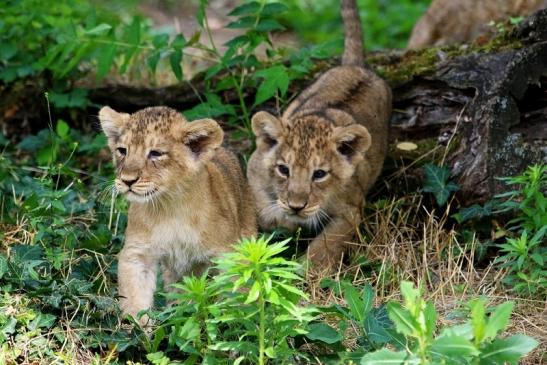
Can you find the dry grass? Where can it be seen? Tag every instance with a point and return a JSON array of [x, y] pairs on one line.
[[402, 240]]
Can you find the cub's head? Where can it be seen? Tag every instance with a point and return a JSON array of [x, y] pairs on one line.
[[156, 150], [309, 159]]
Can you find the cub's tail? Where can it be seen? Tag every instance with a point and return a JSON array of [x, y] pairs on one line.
[[353, 42]]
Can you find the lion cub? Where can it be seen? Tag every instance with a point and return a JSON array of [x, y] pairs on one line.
[[314, 165], [189, 200]]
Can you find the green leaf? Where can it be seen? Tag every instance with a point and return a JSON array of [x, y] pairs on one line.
[[368, 299], [403, 320], [62, 128], [436, 182], [355, 304], [273, 9], [179, 42], [449, 346], [106, 60], [478, 321], [509, 350], [99, 29], [275, 78], [246, 9], [268, 25], [384, 356], [498, 320], [253, 293], [324, 333], [175, 59]]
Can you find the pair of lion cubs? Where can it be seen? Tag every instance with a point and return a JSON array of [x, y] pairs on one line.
[[190, 201]]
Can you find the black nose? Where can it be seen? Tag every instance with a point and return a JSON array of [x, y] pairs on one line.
[[130, 182], [297, 208]]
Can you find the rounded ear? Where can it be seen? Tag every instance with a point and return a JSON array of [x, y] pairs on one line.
[[112, 122], [352, 140], [202, 136], [267, 129]]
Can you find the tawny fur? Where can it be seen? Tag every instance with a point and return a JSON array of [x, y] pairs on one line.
[[189, 200], [339, 125], [460, 21]]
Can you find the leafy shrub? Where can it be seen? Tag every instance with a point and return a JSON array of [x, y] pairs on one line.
[[249, 309], [476, 341], [525, 254], [410, 328]]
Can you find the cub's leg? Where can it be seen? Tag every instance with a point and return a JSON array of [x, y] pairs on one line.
[[136, 280], [327, 249]]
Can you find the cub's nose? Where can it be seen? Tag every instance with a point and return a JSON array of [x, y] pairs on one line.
[[129, 182], [296, 208]]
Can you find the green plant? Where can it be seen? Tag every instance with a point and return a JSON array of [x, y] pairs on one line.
[[250, 308], [525, 259], [372, 325], [475, 342], [437, 182], [524, 255], [527, 199]]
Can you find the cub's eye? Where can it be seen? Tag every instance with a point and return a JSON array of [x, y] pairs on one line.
[[283, 170], [122, 151], [155, 154], [319, 174]]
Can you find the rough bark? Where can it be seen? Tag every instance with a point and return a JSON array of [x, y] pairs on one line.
[[489, 104]]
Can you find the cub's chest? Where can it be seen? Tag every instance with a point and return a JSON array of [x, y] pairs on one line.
[[172, 235]]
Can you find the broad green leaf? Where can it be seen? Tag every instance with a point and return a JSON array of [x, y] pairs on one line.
[[410, 294], [253, 293], [106, 60], [403, 320], [274, 9], [384, 357], [498, 320], [175, 59], [99, 29], [62, 128], [179, 42], [448, 346], [355, 304], [478, 321], [509, 350], [436, 182], [160, 41], [246, 9], [152, 61], [430, 317], [368, 299], [275, 78], [268, 25], [323, 332]]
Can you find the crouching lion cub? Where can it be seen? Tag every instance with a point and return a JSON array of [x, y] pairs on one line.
[[189, 200], [314, 165]]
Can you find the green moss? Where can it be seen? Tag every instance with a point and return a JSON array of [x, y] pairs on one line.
[[398, 68]]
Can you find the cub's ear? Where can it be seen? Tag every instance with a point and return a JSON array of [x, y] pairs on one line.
[[202, 136], [351, 141], [112, 122], [267, 129]]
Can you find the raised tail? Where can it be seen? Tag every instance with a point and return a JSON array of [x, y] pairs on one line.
[[353, 42]]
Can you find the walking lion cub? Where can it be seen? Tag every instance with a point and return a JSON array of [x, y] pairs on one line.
[[189, 200]]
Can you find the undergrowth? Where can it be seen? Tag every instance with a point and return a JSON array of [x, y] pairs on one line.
[[461, 271]]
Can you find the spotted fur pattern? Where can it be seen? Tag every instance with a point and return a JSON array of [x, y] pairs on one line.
[[189, 200], [314, 165]]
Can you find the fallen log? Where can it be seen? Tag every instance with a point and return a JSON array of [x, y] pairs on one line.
[[483, 106]]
